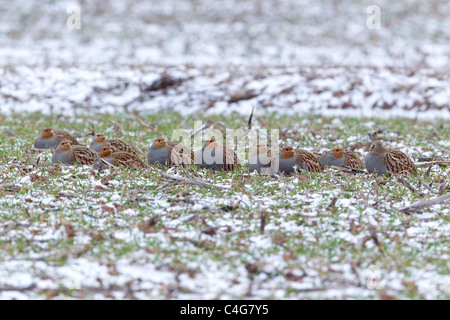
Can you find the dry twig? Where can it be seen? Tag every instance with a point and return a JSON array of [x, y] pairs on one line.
[[431, 163], [403, 181], [426, 203]]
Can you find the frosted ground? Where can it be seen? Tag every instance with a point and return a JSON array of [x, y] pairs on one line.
[[286, 56], [75, 233]]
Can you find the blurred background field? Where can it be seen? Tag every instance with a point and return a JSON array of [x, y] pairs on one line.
[[190, 56]]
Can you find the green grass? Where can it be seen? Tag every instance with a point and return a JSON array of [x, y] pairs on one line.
[[306, 247]]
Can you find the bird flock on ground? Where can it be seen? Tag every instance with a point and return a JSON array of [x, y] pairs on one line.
[[106, 153]]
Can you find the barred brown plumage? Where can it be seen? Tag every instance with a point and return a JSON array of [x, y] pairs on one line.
[[183, 150], [308, 161], [398, 162], [352, 160], [63, 135], [83, 154]]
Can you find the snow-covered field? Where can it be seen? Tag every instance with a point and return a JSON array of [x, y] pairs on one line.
[[75, 233]]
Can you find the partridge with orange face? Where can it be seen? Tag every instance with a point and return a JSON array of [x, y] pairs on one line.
[[340, 157], [263, 161], [107, 158], [381, 160], [169, 153], [50, 138], [100, 140], [66, 153], [298, 158], [216, 157]]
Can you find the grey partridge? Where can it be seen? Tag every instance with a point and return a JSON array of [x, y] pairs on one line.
[[66, 153], [169, 153], [263, 161], [216, 157], [340, 157], [99, 141], [108, 157], [381, 160], [298, 158], [50, 138]]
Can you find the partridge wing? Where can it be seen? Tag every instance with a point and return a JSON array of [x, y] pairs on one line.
[[398, 162], [177, 158], [124, 159], [63, 135], [182, 149], [230, 159], [83, 155], [307, 161], [352, 160], [181, 153], [123, 146]]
